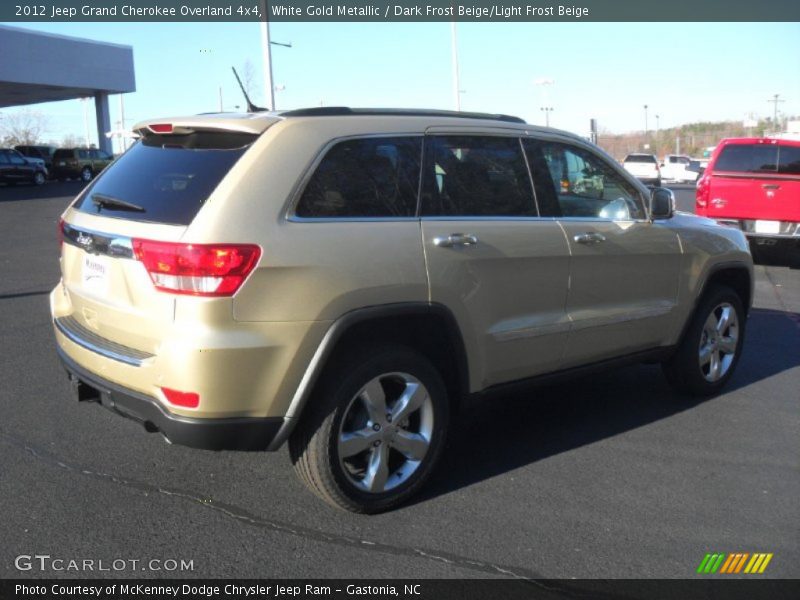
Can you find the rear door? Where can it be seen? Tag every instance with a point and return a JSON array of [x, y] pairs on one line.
[[624, 269], [491, 259], [152, 193]]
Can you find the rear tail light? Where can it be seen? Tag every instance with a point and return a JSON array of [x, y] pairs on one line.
[[702, 193], [197, 269], [185, 399]]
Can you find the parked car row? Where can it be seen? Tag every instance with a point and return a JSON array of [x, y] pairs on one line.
[[36, 164]]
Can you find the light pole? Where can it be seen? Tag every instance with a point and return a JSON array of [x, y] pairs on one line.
[[645, 120], [547, 110], [657, 117], [266, 49], [454, 55], [545, 83]]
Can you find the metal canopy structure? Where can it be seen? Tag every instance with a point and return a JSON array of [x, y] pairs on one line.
[[41, 67]]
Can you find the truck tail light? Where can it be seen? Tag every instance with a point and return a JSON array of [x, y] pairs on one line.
[[702, 193], [197, 269]]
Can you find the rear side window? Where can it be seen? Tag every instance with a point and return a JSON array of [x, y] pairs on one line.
[[789, 161], [747, 158], [367, 178], [477, 176], [167, 178]]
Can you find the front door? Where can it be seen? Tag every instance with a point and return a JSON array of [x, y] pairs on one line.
[[624, 269]]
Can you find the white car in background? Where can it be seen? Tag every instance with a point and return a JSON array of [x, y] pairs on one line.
[[644, 167], [677, 167]]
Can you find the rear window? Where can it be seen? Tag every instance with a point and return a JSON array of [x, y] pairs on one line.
[[167, 177], [640, 158], [747, 158], [62, 154], [789, 161]]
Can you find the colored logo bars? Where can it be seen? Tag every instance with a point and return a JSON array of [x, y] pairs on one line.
[[734, 563]]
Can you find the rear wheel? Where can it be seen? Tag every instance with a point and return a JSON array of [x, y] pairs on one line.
[[39, 178], [374, 430], [712, 344], [86, 174]]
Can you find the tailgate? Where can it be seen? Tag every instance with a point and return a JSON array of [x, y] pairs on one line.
[[149, 196], [109, 291]]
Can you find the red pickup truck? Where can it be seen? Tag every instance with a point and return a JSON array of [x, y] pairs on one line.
[[754, 184]]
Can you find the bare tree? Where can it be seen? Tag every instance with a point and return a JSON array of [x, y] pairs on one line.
[[71, 141], [24, 127], [249, 80]]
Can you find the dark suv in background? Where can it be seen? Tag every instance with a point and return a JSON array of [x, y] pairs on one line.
[[44, 153], [83, 163], [15, 168]]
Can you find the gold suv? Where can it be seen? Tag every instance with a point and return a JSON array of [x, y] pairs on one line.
[[343, 278]]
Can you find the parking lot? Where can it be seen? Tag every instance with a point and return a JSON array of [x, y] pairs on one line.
[[609, 476]]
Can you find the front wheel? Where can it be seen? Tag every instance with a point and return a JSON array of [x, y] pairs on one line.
[[373, 431], [711, 346], [39, 178], [86, 174]]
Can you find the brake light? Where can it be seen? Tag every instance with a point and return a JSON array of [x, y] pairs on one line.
[[197, 269], [186, 399], [702, 193], [161, 128]]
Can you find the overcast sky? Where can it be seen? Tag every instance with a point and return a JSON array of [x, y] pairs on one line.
[[684, 72]]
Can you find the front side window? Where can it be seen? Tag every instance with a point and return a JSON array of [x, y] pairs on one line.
[[476, 176], [573, 182], [365, 178]]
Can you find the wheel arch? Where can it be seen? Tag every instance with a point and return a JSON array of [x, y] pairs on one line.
[[428, 328]]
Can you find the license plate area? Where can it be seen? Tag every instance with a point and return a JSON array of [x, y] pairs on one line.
[[767, 227], [95, 274]]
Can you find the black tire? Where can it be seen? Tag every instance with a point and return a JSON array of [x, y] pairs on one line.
[[39, 178], [315, 445], [86, 174], [684, 370]]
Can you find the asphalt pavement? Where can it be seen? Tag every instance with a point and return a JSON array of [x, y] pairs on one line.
[[609, 476]]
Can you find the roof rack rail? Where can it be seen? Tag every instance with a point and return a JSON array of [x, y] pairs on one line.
[[340, 111]]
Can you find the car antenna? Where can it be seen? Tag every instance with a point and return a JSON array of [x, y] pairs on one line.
[[250, 106]]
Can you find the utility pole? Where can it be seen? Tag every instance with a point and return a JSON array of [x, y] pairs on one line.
[[456, 78], [645, 120], [775, 101]]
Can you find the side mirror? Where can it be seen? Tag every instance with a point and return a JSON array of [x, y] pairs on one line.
[[662, 203]]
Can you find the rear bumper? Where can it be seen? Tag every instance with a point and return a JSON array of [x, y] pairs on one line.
[[249, 433]]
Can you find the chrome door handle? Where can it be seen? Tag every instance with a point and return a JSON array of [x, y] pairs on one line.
[[589, 238], [455, 239], [770, 186]]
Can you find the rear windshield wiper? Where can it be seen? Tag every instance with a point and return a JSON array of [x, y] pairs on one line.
[[101, 200]]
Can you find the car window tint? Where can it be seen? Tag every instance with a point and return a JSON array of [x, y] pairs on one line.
[[573, 182], [3, 158], [747, 158], [369, 177], [170, 177], [62, 154], [16, 159], [477, 176], [641, 158], [789, 161]]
